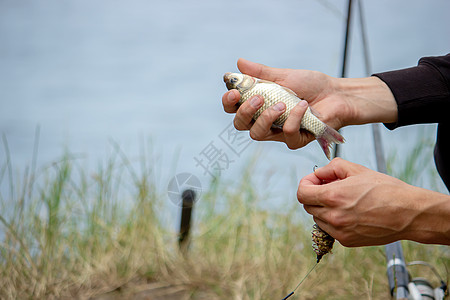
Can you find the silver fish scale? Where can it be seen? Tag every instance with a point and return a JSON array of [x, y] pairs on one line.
[[272, 94]]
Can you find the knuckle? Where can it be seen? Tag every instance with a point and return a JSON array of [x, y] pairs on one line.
[[290, 130], [270, 115], [255, 135], [266, 117], [338, 221], [335, 160], [292, 146], [238, 125], [229, 105], [299, 195], [225, 101], [298, 112], [332, 219], [331, 196], [247, 111], [229, 110]]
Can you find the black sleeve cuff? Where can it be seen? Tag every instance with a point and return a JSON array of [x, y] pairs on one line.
[[422, 93]]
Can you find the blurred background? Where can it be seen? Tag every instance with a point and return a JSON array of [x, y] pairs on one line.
[[146, 76]]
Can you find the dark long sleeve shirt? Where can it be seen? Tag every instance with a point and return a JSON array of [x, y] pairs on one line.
[[422, 94]]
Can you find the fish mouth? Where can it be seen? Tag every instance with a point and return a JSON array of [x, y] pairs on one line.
[[226, 76], [226, 79]]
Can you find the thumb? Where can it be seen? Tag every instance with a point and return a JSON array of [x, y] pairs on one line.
[[338, 169], [260, 71]]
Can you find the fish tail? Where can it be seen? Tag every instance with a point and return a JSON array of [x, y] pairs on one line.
[[327, 138]]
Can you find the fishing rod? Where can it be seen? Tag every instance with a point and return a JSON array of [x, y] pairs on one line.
[[344, 57], [322, 241], [396, 267]]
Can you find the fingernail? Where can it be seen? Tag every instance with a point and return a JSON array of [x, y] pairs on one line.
[[255, 101], [280, 106], [303, 103]]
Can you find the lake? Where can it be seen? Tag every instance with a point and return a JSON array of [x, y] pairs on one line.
[[147, 76]]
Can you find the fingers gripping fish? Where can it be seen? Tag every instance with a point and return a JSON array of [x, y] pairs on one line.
[[273, 93]]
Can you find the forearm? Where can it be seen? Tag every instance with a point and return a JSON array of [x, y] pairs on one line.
[[429, 217], [369, 100]]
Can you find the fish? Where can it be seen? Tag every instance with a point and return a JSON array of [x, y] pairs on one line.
[[249, 86]]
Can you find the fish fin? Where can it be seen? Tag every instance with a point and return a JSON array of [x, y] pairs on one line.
[[327, 138], [285, 88]]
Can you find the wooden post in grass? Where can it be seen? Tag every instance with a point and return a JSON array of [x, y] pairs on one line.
[[188, 197]]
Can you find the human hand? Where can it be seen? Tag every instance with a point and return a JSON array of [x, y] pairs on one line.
[[361, 207], [310, 85], [339, 102]]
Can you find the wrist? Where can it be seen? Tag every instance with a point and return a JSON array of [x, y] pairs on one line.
[[429, 213], [369, 100]]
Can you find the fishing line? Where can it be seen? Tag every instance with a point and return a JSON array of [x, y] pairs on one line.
[[307, 274], [322, 244]]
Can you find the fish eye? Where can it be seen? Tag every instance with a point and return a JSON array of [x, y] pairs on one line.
[[233, 80]]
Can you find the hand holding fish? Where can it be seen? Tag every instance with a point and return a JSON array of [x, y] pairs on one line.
[[338, 102], [361, 207]]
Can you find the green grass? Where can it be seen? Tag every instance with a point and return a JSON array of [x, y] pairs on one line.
[[68, 234]]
